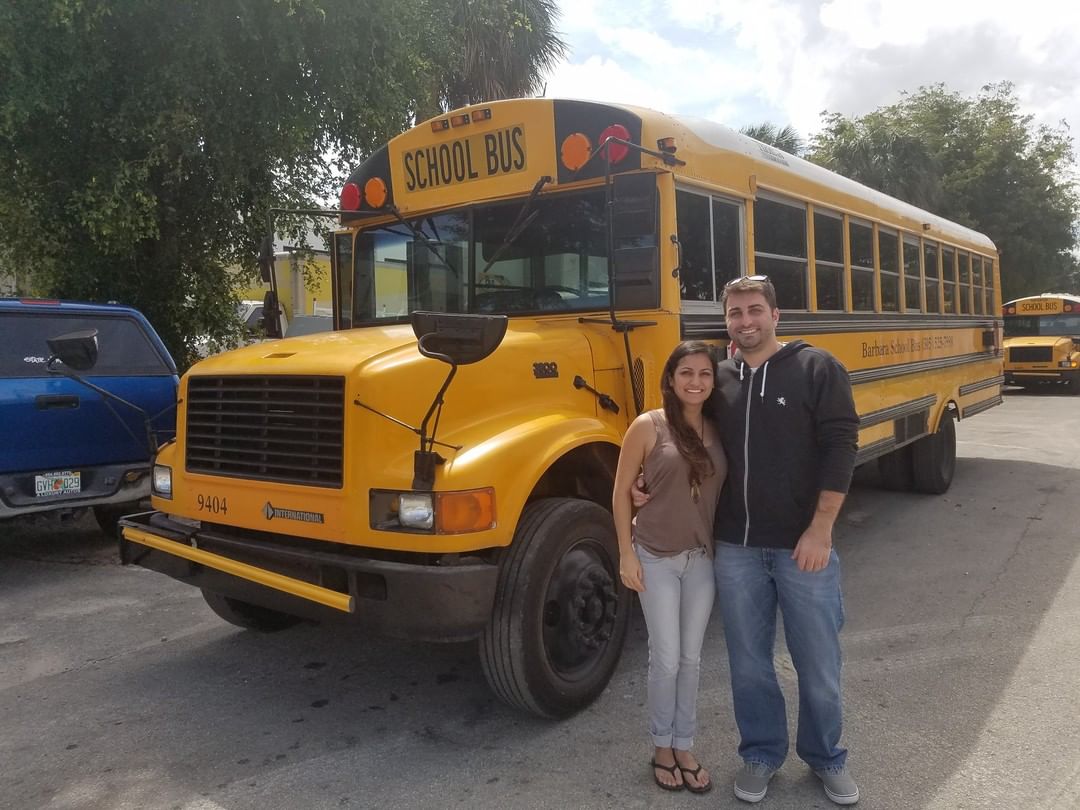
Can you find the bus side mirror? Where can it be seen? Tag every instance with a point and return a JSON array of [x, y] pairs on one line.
[[635, 257], [76, 350], [458, 339], [271, 315], [266, 259]]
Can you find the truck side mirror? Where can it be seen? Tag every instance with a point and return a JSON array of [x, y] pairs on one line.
[[271, 315], [266, 259], [635, 260], [76, 350]]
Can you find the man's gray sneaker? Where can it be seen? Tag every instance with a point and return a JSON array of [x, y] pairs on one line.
[[752, 781], [838, 784]]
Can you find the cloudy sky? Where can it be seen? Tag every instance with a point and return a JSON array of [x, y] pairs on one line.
[[743, 62]]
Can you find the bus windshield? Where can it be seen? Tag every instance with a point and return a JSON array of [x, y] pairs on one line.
[[479, 259], [1042, 325]]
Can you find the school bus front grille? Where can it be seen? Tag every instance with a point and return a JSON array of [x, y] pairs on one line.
[[274, 428], [1031, 354]]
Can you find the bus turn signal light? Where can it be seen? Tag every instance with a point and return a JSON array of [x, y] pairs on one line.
[[469, 511], [375, 192], [575, 151]]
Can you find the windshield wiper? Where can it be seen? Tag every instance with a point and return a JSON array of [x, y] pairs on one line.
[[422, 238], [520, 224]]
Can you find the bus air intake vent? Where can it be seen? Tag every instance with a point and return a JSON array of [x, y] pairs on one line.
[[273, 428], [1031, 354]]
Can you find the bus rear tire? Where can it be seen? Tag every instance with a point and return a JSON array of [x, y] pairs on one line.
[[560, 615], [895, 470], [247, 615], [933, 458]]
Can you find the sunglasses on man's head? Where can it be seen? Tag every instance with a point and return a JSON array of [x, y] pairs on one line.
[[741, 279]]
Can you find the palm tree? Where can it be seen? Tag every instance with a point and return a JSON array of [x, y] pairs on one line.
[[504, 50], [879, 154], [785, 138]]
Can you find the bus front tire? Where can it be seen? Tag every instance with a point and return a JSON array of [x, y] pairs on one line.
[[247, 615], [895, 470], [560, 615], [933, 458]]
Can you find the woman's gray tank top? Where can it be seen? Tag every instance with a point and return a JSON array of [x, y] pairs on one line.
[[674, 520]]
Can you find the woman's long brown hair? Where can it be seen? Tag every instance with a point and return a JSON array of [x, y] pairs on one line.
[[687, 441]]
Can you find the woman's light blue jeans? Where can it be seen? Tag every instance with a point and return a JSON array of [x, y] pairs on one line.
[[750, 584], [677, 601]]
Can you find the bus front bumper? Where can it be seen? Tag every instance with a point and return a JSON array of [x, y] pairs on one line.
[[316, 580], [1021, 377]]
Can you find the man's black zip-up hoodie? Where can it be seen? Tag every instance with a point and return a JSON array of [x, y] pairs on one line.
[[790, 430]]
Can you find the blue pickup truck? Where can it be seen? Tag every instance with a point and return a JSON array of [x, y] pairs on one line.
[[64, 445]]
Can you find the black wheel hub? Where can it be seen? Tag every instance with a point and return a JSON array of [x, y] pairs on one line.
[[579, 609]]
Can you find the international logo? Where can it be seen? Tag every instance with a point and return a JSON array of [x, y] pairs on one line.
[[781, 401], [270, 512]]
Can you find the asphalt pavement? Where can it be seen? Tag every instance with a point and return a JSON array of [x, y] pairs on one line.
[[120, 689]]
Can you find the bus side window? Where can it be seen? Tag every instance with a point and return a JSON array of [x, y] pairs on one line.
[[862, 266], [780, 249], [829, 259]]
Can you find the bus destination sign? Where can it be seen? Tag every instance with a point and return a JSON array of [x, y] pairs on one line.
[[477, 157], [1039, 306]]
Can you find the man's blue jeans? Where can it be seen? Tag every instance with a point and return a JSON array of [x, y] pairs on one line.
[[750, 584]]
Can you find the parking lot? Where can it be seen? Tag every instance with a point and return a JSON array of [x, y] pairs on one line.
[[120, 689]]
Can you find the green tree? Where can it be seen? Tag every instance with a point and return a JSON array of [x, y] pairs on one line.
[[142, 142], [979, 161], [785, 138]]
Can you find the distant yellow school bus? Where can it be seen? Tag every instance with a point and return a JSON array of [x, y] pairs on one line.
[[1042, 340], [508, 280]]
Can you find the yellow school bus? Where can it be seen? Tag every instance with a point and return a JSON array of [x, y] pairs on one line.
[[1042, 340], [508, 280]]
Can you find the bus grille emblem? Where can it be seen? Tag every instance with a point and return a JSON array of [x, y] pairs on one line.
[[270, 512]]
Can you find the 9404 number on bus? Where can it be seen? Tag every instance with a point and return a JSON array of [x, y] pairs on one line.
[[212, 504]]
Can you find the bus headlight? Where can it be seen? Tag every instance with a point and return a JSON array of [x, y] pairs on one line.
[[415, 510], [1067, 364], [457, 512], [162, 481]]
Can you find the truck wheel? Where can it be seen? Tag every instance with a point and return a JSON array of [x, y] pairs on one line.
[[895, 470], [934, 458], [247, 615], [108, 516], [560, 614]]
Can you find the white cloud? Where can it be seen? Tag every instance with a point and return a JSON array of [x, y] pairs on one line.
[[788, 60], [600, 79]]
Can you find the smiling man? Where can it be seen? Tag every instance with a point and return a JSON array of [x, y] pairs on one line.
[[790, 432]]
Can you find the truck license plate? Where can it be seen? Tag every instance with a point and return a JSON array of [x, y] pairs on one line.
[[57, 483]]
